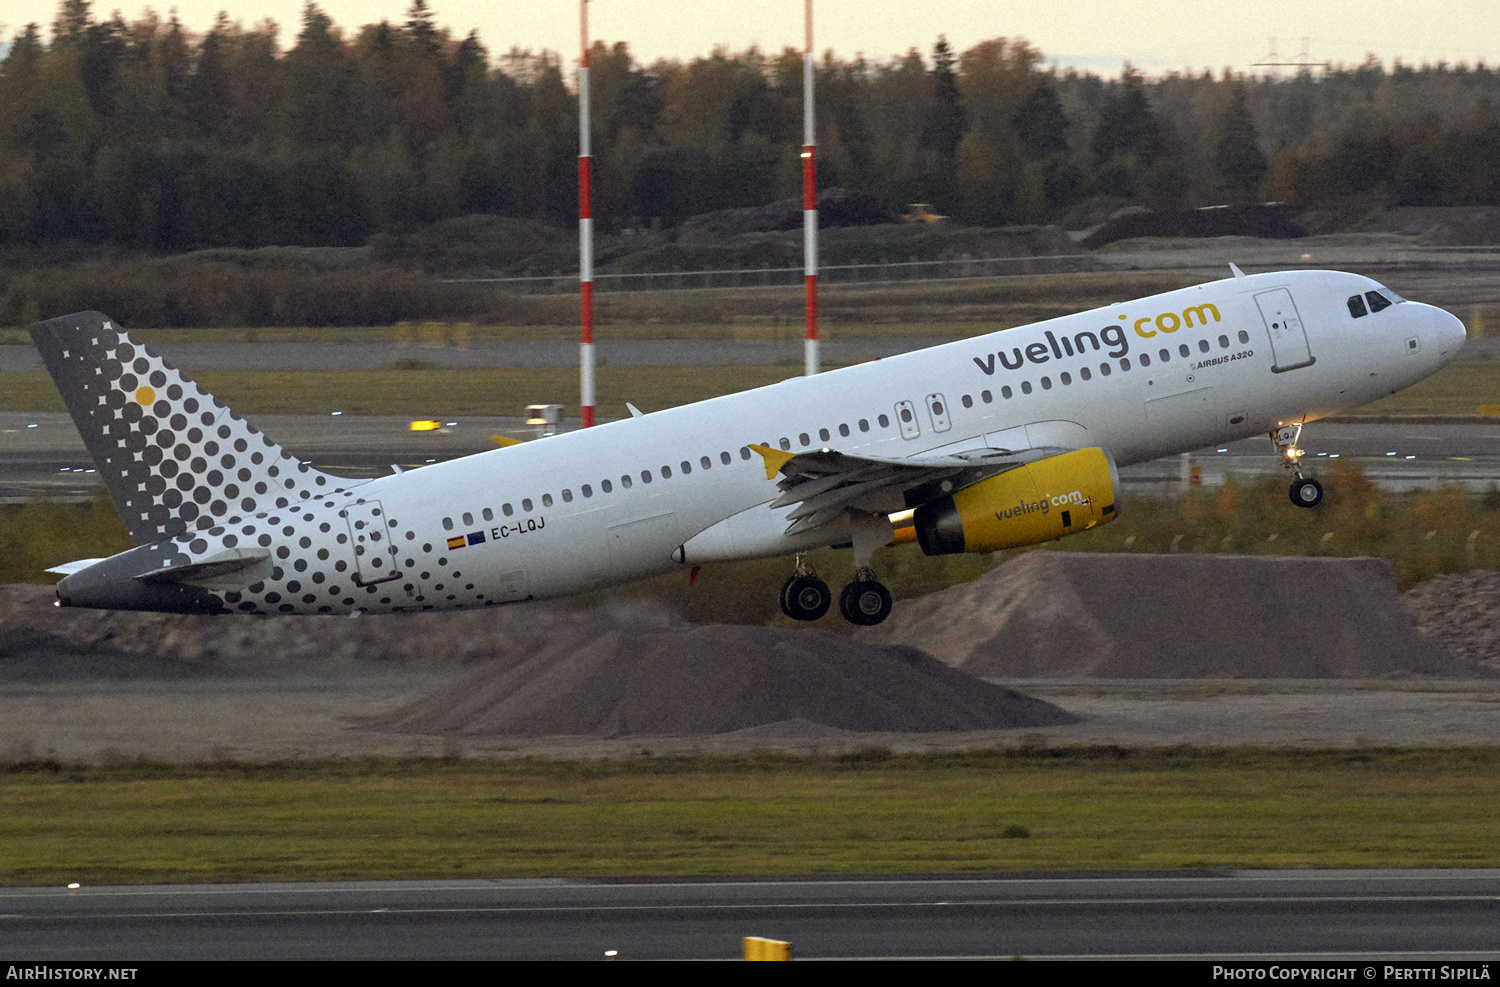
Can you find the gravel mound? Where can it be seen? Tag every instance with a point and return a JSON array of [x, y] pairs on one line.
[[40, 642], [1460, 613], [715, 680], [1086, 615]]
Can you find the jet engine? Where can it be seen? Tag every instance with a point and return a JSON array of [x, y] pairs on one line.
[[1036, 502]]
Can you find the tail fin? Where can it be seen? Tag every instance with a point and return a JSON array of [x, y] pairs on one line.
[[172, 456]]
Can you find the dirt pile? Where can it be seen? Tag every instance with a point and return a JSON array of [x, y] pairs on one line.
[[713, 680], [1085, 615], [40, 642], [1266, 222], [1460, 613]]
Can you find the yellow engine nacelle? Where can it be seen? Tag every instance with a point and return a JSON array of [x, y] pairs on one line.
[[1052, 497]]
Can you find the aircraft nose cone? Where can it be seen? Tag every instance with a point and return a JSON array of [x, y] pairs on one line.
[[1450, 331]]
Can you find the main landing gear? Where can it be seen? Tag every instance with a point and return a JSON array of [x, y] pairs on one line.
[[864, 602], [1305, 491], [805, 596]]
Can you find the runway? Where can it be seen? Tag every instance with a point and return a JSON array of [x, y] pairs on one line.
[[1363, 916], [41, 455]]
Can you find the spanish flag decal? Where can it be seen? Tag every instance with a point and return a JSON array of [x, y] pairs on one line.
[[458, 542]]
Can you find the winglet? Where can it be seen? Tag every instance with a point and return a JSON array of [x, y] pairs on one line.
[[1237, 272], [775, 459], [504, 441], [634, 411]]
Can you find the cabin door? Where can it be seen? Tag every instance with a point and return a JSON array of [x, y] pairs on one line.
[[1289, 349]]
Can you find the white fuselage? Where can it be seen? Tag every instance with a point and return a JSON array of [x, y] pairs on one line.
[[637, 497]]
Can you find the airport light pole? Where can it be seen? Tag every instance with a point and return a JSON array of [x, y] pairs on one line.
[[809, 202], [585, 231]]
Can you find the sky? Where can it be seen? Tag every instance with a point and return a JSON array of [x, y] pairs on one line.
[[1156, 36]]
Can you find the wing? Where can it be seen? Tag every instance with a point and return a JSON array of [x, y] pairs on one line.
[[826, 485]]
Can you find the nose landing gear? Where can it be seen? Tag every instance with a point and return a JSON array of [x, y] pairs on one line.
[[1305, 491]]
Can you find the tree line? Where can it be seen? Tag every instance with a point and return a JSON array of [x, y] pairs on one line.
[[140, 135]]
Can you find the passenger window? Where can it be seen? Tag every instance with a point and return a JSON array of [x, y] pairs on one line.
[[824, 435], [1357, 306], [687, 467], [1165, 355], [1005, 392], [724, 457], [1224, 342], [1244, 336], [744, 452], [864, 425], [885, 421], [468, 519], [708, 464], [487, 514], [625, 481], [567, 496], [586, 490], [1084, 373], [1025, 387], [1377, 301], [1182, 350], [526, 504], [507, 510], [645, 476], [447, 524], [1145, 360], [804, 439], [987, 397], [1125, 363], [666, 473], [606, 486], [785, 443], [546, 500], [844, 431], [1202, 346], [1065, 378], [906, 415], [1104, 370], [1046, 383]]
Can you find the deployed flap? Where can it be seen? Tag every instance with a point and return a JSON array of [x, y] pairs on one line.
[[825, 485], [213, 567]]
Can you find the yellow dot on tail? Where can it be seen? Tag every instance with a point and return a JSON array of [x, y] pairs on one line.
[[145, 396]]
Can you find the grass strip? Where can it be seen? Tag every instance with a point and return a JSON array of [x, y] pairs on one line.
[[427, 392], [420, 391], [866, 812]]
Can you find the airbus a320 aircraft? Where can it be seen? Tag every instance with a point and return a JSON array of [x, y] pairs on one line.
[[1006, 439]]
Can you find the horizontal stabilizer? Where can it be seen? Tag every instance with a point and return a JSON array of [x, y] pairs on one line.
[[217, 566], [68, 568]]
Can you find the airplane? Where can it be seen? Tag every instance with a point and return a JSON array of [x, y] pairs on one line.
[[1005, 439]]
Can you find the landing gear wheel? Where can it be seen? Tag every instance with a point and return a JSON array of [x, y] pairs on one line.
[[1306, 492], [805, 598], [865, 602]]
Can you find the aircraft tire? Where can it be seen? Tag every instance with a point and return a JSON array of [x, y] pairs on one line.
[[786, 603], [865, 602], [1306, 492], [805, 598]]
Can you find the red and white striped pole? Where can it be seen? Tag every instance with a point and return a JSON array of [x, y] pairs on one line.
[[809, 203], [585, 231]]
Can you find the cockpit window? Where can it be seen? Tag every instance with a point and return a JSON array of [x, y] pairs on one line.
[[1377, 301], [1357, 306]]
